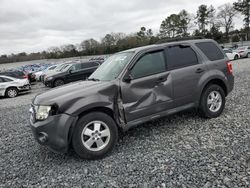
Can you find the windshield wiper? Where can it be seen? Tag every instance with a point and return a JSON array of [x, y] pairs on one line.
[[93, 79]]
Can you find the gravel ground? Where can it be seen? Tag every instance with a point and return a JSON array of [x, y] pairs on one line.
[[179, 151]]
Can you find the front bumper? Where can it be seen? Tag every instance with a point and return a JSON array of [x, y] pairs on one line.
[[48, 83], [53, 132]]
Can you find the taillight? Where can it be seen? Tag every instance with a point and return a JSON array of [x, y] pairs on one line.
[[230, 67], [241, 51]]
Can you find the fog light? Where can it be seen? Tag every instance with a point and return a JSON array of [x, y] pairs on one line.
[[42, 137]]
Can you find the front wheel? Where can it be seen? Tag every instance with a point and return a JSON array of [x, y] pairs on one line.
[[212, 101], [95, 135], [58, 82]]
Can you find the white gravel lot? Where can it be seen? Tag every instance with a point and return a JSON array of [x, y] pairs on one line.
[[182, 150]]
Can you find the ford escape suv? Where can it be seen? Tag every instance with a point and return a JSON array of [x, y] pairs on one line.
[[128, 89]]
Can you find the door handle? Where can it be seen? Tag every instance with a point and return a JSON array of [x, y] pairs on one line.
[[199, 70], [161, 79]]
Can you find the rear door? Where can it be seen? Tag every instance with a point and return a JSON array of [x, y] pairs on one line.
[[186, 70], [150, 90]]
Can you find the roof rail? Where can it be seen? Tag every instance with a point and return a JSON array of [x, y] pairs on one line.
[[165, 40]]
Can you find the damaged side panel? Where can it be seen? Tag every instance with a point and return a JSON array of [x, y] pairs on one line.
[[105, 97], [147, 96]]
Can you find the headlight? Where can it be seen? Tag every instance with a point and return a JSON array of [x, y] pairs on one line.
[[42, 112], [49, 78]]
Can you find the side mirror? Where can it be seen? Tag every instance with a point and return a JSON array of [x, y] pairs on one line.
[[70, 71], [128, 78]]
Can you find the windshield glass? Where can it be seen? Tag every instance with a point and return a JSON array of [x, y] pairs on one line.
[[65, 68], [112, 67]]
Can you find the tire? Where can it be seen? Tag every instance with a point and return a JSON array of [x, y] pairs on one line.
[[58, 82], [11, 92], [212, 101], [236, 57], [85, 139]]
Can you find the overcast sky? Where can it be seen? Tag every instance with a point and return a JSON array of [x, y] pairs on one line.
[[36, 25]]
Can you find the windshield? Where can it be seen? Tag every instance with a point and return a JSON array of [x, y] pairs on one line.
[[112, 67], [65, 68]]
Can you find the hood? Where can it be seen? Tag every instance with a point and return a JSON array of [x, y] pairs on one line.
[[70, 93]]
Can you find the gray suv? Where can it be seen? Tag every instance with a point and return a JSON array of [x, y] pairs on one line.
[[128, 89]]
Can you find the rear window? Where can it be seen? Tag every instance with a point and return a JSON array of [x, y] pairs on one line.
[[178, 57], [212, 52]]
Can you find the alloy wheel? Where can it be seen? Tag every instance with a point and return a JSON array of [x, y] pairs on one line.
[[95, 136]]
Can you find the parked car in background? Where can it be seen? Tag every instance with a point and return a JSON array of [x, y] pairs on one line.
[[71, 72], [231, 54], [10, 86], [128, 89], [39, 74], [53, 70], [15, 73], [244, 51]]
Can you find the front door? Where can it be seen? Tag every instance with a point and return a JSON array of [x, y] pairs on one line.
[[75, 73], [150, 88]]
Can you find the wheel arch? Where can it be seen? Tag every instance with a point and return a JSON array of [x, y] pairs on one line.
[[10, 88], [215, 81], [102, 109]]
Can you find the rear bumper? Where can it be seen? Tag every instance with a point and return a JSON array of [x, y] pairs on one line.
[[53, 132], [26, 87], [230, 84]]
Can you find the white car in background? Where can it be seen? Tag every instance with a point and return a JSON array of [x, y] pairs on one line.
[[40, 73], [231, 54], [244, 51], [10, 87]]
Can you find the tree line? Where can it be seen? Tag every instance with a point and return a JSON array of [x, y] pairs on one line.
[[208, 22]]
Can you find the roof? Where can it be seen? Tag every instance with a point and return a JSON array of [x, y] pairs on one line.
[[138, 49]]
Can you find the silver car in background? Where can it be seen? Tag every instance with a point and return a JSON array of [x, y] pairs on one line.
[[10, 87], [244, 51]]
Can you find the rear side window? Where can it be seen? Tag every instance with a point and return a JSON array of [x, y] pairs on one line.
[[1, 80], [178, 57], [212, 52], [7, 80], [149, 64]]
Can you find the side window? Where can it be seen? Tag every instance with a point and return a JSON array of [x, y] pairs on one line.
[[149, 64], [178, 57], [89, 65], [248, 48], [76, 67], [212, 52], [1, 80], [7, 80]]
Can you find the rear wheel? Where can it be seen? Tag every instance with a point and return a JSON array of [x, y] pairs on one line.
[[95, 135], [11, 92], [58, 82], [212, 101]]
